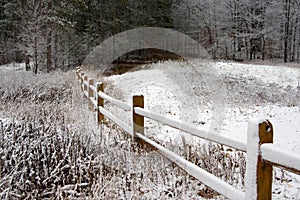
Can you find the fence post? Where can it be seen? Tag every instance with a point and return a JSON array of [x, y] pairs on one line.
[[258, 178], [90, 94], [85, 78], [78, 72], [100, 102], [81, 75], [137, 120]]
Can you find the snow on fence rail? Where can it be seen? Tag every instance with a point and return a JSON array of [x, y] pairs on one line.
[[262, 154], [193, 130]]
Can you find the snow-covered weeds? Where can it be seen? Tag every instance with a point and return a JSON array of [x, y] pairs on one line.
[[42, 152], [52, 148]]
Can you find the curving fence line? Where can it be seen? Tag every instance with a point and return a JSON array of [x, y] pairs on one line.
[[262, 154]]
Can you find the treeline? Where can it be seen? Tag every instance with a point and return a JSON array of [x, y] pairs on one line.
[[48, 34], [244, 29]]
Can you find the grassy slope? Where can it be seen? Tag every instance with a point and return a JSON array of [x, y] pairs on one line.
[[51, 148]]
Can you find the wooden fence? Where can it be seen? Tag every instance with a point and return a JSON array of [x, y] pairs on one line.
[[262, 154]]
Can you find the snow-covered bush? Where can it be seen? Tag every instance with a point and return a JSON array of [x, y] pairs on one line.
[[42, 155], [43, 159], [50, 148]]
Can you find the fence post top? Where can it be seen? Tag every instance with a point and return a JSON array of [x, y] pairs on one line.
[[140, 95], [267, 125], [260, 128], [259, 121]]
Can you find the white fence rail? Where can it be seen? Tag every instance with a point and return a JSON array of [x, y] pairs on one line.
[[207, 178], [119, 122], [281, 156], [116, 102], [192, 130], [262, 154]]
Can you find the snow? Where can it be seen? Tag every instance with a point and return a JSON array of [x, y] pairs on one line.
[[13, 67], [116, 102], [284, 76], [281, 156], [168, 92], [217, 97], [252, 156], [208, 179], [285, 122], [192, 130], [124, 126]]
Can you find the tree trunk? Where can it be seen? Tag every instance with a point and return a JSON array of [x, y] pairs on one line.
[[56, 51], [294, 41], [286, 31], [35, 68], [298, 42], [251, 49], [27, 63], [247, 48], [216, 37], [234, 46], [37, 13], [263, 48], [49, 53], [49, 41]]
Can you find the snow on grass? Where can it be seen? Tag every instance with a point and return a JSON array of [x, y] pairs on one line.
[[198, 93], [12, 67], [283, 76], [82, 160], [161, 86], [285, 122], [252, 155], [187, 92], [137, 83]]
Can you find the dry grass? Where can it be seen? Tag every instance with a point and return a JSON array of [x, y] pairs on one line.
[[273, 62], [51, 148]]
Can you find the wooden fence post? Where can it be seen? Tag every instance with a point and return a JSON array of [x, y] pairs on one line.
[[81, 80], [137, 120], [258, 179], [85, 78], [100, 102], [90, 94], [77, 71]]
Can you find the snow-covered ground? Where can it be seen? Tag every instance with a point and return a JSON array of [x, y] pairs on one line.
[[198, 93], [219, 96], [12, 67]]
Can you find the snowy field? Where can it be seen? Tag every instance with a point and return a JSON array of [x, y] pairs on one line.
[[198, 93], [217, 96]]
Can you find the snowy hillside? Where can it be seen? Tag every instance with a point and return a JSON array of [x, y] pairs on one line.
[[86, 161], [199, 93], [218, 96]]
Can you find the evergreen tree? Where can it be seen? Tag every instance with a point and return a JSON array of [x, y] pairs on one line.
[[9, 24]]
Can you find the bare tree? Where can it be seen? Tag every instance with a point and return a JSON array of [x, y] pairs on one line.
[[287, 7]]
